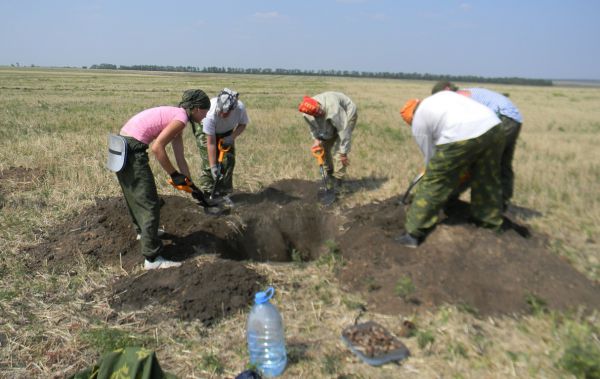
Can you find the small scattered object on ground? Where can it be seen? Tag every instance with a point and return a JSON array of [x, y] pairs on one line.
[[373, 343]]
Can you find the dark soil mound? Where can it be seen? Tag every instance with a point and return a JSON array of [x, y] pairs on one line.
[[205, 291], [458, 264]]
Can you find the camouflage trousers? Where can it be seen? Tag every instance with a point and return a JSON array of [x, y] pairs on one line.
[[131, 362], [137, 182], [481, 156], [206, 181], [511, 130]]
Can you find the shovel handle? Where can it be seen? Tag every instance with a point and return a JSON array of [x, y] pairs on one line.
[[195, 191], [222, 150], [318, 152], [187, 187]]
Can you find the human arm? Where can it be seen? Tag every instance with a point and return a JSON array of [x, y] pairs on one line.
[[238, 130], [345, 135], [345, 123], [211, 148], [178, 150], [241, 122], [423, 138], [168, 134], [312, 126], [229, 140], [426, 146]]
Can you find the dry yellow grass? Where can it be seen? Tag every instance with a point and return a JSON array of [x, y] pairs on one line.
[[57, 120]]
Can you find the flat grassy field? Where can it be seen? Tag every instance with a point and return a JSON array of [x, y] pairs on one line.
[[54, 123]]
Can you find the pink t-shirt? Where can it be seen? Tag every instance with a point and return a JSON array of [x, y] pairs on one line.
[[147, 125]]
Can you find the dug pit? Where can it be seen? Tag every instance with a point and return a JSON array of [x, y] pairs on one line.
[[458, 264]]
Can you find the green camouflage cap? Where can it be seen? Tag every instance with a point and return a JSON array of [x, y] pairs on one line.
[[194, 98]]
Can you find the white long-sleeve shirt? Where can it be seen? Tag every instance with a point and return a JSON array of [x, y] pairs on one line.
[[448, 117]]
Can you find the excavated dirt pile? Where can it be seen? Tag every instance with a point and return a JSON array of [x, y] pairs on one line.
[[458, 264]]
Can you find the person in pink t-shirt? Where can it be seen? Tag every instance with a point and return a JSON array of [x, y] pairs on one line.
[[158, 126]]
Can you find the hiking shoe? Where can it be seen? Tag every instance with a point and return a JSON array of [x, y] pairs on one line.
[[161, 232], [407, 240], [160, 262]]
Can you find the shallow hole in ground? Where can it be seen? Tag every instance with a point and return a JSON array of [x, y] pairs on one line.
[[295, 232], [458, 263]]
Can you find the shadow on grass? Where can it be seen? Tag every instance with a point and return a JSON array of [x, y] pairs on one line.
[[350, 186], [522, 212]]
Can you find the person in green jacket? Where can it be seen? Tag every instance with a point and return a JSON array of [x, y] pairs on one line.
[[331, 117]]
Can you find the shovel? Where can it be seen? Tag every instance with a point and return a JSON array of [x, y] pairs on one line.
[[210, 207], [412, 185], [325, 195], [222, 151]]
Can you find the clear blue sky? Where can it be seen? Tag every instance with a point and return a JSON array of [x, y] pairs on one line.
[[533, 39]]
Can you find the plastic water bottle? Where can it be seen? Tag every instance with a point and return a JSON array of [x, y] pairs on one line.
[[266, 341]]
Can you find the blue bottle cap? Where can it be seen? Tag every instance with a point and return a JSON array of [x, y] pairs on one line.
[[263, 297]]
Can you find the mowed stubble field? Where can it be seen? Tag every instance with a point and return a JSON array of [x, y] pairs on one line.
[[55, 122]]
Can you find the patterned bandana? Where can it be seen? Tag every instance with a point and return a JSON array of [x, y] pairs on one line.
[[227, 100], [408, 110], [309, 106]]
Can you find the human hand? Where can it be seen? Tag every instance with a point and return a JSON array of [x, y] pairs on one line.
[[179, 179], [214, 170], [227, 141], [344, 159]]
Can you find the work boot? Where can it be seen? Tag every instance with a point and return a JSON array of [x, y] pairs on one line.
[[407, 240], [159, 262]]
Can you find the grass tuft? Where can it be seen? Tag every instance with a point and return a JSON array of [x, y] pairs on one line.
[[582, 359], [404, 287], [105, 339]]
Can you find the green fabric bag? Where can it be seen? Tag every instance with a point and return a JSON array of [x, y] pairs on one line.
[[127, 363]]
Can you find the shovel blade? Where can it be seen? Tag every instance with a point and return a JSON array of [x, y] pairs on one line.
[[215, 210], [326, 197], [218, 206]]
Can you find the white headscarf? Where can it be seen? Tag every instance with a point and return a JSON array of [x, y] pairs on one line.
[[227, 100]]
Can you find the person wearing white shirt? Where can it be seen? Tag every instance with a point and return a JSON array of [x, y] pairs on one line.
[[455, 134], [225, 121]]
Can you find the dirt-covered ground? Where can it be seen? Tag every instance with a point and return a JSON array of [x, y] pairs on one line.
[[458, 263]]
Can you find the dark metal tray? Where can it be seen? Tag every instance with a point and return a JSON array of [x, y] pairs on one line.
[[398, 354]]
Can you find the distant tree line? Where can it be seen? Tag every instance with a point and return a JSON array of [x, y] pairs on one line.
[[344, 73]]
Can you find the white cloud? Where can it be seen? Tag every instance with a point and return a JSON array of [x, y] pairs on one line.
[[465, 6]]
